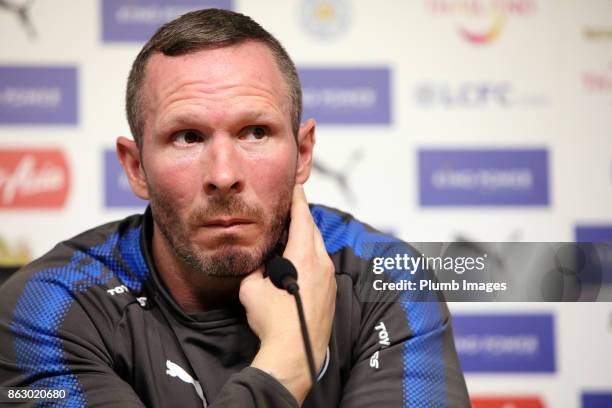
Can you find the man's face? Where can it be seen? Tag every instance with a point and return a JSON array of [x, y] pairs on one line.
[[219, 156]]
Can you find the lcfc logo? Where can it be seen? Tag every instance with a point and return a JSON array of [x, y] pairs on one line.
[[325, 19], [480, 21]]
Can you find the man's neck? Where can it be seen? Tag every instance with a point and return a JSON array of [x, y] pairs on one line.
[[191, 290]]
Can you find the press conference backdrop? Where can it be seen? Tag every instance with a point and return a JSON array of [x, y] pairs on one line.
[[438, 120]]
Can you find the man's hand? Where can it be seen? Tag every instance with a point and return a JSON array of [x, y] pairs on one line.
[[272, 313]]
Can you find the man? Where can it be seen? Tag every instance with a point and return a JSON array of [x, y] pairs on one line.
[[174, 307]]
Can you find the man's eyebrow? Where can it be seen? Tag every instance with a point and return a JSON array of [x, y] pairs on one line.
[[247, 116], [174, 122], [180, 118], [255, 115]]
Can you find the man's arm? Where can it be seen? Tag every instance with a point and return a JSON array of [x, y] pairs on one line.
[[64, 350], [47, 339], [405, 356], [56, 349], [272, 313]]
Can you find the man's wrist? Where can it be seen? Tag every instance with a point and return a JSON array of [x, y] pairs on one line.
[[290, 370]]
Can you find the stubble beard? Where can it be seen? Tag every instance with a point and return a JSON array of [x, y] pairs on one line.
[[227, 260]]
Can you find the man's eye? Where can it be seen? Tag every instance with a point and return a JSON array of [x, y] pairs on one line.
[[254, 133], [187, 137]]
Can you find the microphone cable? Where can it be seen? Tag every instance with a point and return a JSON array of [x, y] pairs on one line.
[[283, 275]]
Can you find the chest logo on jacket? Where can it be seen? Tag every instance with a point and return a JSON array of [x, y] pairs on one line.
[[174, 370]]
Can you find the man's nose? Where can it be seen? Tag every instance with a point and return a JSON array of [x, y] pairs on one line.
[[224, 173]]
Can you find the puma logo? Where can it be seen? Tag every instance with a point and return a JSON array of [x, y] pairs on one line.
[[174, 370], [22, 10], [340, 176]]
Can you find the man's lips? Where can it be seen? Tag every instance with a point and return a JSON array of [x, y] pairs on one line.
[[227, 222]]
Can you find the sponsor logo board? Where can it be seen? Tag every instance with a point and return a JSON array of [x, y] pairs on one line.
[[598, 33], [505, 343], [474, 95], [598, 81], [137, 20], [38, 95], [597, 399], [33, 178], [325, 19], [346, 95], [600, 254], [507, 402], [480, 22], [483, 177]]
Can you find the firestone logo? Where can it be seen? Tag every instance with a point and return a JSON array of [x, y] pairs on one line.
[[33, 178], [480, 22]]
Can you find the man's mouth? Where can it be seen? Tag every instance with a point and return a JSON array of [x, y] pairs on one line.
[[226, 223]]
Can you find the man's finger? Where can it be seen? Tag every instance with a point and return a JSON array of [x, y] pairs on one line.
[[319, 243], [252, 280], [301, 228], [254, 276]]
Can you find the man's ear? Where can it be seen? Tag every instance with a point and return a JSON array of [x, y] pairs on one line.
[[305, 144], [129, 157]]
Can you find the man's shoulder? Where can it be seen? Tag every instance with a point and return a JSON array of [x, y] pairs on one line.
[[90, 264], [351, 243], [341, 230]]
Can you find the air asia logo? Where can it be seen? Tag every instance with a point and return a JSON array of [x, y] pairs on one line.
[[325, 19], [117, 190], [22, 10], [41, 95], [347, 95], [507, 402], [481, 21], [33, 179], [483, 177], [340, 176], [598, 81], [505, 343], [474, 95], [137, 20]]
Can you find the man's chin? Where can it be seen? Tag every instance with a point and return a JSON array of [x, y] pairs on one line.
[[230, 261]]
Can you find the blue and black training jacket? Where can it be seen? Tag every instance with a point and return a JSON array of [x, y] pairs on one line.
[[93, 318]]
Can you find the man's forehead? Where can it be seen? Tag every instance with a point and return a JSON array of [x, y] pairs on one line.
[[244, 69], [247, 61]]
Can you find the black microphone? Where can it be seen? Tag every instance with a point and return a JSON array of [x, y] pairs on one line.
[[283, 275]]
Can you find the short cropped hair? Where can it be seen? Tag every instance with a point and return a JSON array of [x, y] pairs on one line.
[[201, 30]]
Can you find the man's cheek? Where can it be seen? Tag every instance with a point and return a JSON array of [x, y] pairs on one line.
[[178, 188]]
